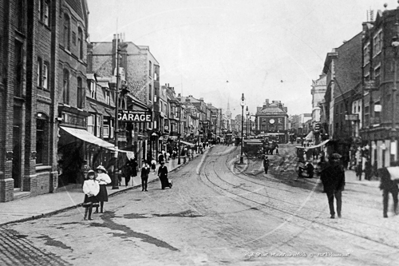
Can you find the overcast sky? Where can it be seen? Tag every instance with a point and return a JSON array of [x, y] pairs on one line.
[[266, 49]]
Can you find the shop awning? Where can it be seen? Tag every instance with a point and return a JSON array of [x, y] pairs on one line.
[[90, 138], [187, 143], [309, 136]]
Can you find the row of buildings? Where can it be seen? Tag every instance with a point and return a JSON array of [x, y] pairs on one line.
[[67, 103], [354, 100]]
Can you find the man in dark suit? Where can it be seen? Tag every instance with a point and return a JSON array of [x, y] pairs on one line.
[[333, 178], [387, 185], [265, 164]]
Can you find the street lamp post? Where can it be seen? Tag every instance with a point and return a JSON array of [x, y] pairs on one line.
[[242, 127], [247, 123], [395, 44], [178, 156]]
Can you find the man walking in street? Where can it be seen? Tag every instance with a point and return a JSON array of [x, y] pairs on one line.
[[265, 163], [387, 185], [333, 179]]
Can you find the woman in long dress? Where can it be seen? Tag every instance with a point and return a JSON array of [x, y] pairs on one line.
[[163, 176]]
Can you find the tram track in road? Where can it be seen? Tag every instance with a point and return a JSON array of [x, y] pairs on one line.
[[244, 199], [243, 175]]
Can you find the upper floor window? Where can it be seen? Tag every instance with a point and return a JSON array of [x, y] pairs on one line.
[[377, 42], [44, 12], [39, 72], [65, 87], [150, 92], [377, 71], [45, 71], [19, 61], [80, 43], [20, 14], [42, 74], [366, 53], [107, 97], [150, 69], [90, 124], [81, 94], [92, 86], [66, 33]]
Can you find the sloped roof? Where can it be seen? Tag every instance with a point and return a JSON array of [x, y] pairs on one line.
[[271, 110], [102, 48], [76, 5]]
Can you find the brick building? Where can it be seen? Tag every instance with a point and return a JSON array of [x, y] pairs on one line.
[[42, 69], [380, 106]]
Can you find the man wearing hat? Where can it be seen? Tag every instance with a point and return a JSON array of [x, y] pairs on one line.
[[103, 179], [163, 176], [333, 179]]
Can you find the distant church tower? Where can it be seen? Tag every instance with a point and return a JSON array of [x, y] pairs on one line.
[[228, 112]]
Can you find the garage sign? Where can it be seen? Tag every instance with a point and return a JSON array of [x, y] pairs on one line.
[[134, 116]]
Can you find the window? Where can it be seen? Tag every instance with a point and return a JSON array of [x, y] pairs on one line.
[[18, 68], [45, 76], [39, 73], [81, 94], [377, 71], [46, 13], [90, 124], [107, 97], [80, 43], [377, 40], [42, 74], [73, 38], [93, 90], [98, 126], [66, 32], [41, 139], [65, 91], [106, 131], [150, 92], [20, 15], [366, 53], [150, 69]]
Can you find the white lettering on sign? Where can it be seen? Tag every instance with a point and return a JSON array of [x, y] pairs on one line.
[[129, 116]]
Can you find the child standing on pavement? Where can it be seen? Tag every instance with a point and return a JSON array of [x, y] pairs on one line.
[[153, 165], [103, 179], [91, 189]]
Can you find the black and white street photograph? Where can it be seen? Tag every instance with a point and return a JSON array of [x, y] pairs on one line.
[[199, 132]]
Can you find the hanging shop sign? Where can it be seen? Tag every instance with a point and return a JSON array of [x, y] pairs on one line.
[[134, 116]]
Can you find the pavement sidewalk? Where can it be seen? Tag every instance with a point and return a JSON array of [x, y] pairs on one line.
[[29, 208]]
